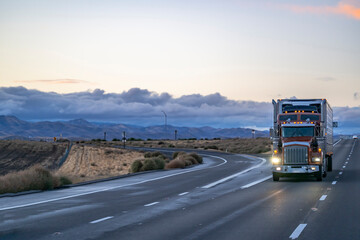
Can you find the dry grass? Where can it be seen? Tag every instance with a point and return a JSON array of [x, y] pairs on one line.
[[86, 162], [236, 145], [34, 178]]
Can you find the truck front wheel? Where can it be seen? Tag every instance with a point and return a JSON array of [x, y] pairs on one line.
[[276, 177]]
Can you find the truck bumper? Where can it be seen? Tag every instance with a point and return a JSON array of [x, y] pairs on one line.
[[285, 170]]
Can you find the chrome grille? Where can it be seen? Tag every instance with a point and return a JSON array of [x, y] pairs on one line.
[[296, 155]]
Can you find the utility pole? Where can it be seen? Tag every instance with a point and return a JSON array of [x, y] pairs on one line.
[[175, 134], [104, 136], [165, 121], [124, 138], [253, 133]]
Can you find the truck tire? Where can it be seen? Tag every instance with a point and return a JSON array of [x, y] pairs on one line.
[[319, 175], [329, 164], [276, 177]]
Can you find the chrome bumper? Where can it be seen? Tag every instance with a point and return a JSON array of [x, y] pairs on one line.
[[306, 169]]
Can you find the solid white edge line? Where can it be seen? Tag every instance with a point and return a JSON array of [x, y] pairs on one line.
[[323, 197], [340, 173], [256, 182], [101, 219], [111, 188], [334, 182], [337, 142], [235, 175], [151, 204], [298, 231], [184, 193]]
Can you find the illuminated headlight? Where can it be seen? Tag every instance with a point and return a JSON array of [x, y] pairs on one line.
[[275, 160], [316, 159]]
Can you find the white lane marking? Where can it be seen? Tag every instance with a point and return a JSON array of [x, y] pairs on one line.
[[344, 166], [340, 173], [256, 182], [112, 188], [346, 162], [298, 231], [323, 197], [151, 204], [101, 219], [348, 159], [234, 175], [184, 193], [334, 182], [337, 142]]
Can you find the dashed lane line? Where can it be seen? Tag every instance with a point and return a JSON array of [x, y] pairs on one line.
[[323, 197], [298, 231], [184, 193], [101, 219], [151, 204], [256, 182], [334, 182]]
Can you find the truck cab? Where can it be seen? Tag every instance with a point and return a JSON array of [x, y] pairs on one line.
[[300, 139]]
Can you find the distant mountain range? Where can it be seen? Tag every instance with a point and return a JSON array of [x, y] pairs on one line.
[[11, 127]]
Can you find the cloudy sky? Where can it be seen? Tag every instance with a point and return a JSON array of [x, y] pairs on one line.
[[215, 63]]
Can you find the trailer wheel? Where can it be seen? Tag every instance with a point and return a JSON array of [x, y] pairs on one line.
[[329, 164], [276, 177]]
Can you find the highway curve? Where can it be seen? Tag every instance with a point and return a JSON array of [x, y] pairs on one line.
[[228, 197]]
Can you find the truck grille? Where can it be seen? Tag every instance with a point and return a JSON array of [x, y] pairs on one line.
[[296, 155]]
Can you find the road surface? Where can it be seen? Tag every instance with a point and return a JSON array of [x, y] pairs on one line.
[[228, 197]]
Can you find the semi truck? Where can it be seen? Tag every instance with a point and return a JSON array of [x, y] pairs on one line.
[[302, 138]]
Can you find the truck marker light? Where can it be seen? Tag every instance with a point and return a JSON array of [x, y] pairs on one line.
[[275, 151], [319, 149]]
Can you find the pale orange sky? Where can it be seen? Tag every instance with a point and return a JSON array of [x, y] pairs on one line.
[[245, 51]]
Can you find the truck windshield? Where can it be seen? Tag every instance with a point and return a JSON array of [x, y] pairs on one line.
[[298, 132]]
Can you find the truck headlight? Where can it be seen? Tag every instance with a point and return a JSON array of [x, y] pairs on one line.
[[316, 159], [275, 160]]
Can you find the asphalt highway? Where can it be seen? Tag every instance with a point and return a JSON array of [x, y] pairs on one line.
[[228, 197]]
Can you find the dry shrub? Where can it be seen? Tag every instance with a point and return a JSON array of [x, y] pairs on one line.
[[148, 164], [183, 159], [35, 178], [154, 154], [136, 166], [176, 163], [198, 158]]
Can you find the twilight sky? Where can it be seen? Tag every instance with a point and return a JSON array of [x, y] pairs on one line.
[[240, 53]]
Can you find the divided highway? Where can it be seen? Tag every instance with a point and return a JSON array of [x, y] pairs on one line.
[[228, 197]]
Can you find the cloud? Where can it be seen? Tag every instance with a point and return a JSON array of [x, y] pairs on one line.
[[347, 8], [348, 119], [54, 81], [135, 106], [143, 107]]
